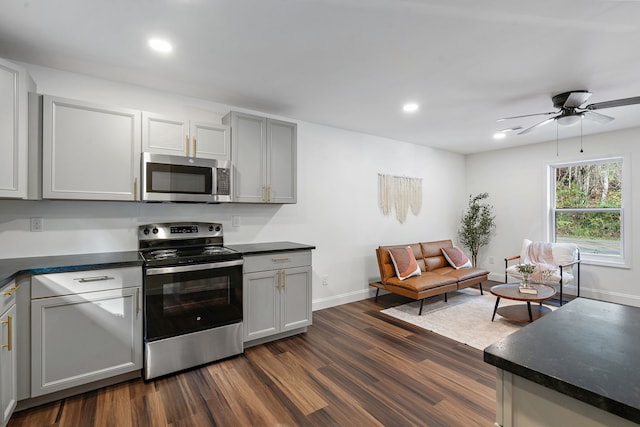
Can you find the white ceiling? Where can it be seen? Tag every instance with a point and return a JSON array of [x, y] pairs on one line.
[[353, 63]]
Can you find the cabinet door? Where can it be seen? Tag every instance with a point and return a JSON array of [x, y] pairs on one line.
[[89, 152], [13, 130], [248, 157], [282, 160], [8, 364], [78, 339], [261, 304], [295, 297], [210, 141], [165, 135]]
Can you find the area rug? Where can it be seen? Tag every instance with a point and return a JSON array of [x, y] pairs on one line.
[[465, 318]]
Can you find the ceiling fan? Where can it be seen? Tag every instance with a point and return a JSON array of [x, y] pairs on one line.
[[570, 110]]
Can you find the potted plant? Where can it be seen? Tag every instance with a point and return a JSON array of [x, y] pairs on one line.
[[477, 224], [526, 270]]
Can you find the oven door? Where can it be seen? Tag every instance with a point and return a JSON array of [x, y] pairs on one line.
[[189, 298]]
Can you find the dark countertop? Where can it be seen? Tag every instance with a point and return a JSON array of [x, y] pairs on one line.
[[265, 248], [10, 268], [587, 349]]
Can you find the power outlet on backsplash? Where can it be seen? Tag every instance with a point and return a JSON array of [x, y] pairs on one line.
[[36, 224]]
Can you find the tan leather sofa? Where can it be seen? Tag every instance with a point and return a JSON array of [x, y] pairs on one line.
[[437, 276]]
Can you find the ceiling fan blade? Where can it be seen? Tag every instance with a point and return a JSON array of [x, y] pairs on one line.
[[527, 115], [597, 117], [537, 125], [615, 103], [576, 99]]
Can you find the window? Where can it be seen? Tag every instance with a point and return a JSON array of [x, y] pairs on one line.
[[587, 208]]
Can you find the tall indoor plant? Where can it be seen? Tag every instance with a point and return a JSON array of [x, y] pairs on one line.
[[477, 224]]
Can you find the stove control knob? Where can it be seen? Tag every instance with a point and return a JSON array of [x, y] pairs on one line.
[[218, 228], [146, 231], [211, 228], [155, 230]]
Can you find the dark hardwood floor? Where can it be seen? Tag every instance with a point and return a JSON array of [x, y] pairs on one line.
[[354, 367]]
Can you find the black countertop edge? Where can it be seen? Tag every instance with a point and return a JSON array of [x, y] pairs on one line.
[[587, 350], [599, 401], [269, 247], [12, 268]]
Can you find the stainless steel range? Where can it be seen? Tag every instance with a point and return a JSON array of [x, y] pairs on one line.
[[192, 296]]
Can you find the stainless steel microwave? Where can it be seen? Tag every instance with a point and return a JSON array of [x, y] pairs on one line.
[[184, 179]]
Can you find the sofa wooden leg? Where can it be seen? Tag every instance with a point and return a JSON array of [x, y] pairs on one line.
[[480, 284], [377, 290], [421, 304], [445, 297]]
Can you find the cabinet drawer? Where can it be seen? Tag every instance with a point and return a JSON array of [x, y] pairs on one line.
[[74, 282], [276, 261], [7, 296]]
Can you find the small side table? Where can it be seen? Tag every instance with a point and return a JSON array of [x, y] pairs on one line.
[[522, 312]]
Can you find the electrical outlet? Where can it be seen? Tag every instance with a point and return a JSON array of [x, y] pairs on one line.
[[491, 260], [36, 224], [325, 280], [235, 221]]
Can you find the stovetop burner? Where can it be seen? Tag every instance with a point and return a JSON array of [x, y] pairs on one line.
[[179, 243], [162, 254]]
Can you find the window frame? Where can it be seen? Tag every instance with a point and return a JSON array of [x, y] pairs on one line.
[[622, 260]]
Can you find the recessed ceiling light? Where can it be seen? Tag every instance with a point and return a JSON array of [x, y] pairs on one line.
[[410, 108], [499, 135], [160, 45]]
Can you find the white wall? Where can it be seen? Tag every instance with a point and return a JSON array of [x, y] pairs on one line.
[[337, 209], [517, 183]]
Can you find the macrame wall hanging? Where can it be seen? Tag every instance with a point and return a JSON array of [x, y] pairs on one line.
[[400, 192]]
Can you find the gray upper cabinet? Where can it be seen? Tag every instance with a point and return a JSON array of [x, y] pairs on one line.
[[15, 85], [89, 151], [264, 156], [178, 136]]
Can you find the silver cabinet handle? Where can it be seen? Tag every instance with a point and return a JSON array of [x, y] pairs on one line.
[[93, 279], [194, 267], [137, 301]]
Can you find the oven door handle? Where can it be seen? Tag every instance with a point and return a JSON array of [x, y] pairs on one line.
[[192, 267]]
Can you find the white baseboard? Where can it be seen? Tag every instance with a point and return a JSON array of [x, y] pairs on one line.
[[608, 296], [335, 300], [598, 294], [497, 277]]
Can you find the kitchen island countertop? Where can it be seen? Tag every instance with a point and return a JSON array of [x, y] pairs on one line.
[[587, 350]]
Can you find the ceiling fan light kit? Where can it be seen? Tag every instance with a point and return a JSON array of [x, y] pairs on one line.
[[569, 119], [570, 110]]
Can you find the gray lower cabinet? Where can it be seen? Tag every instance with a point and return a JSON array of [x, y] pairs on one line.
[[8, 357], [276, 295], [85, 326]]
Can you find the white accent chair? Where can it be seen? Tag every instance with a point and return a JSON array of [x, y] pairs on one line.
[[563, 269]]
